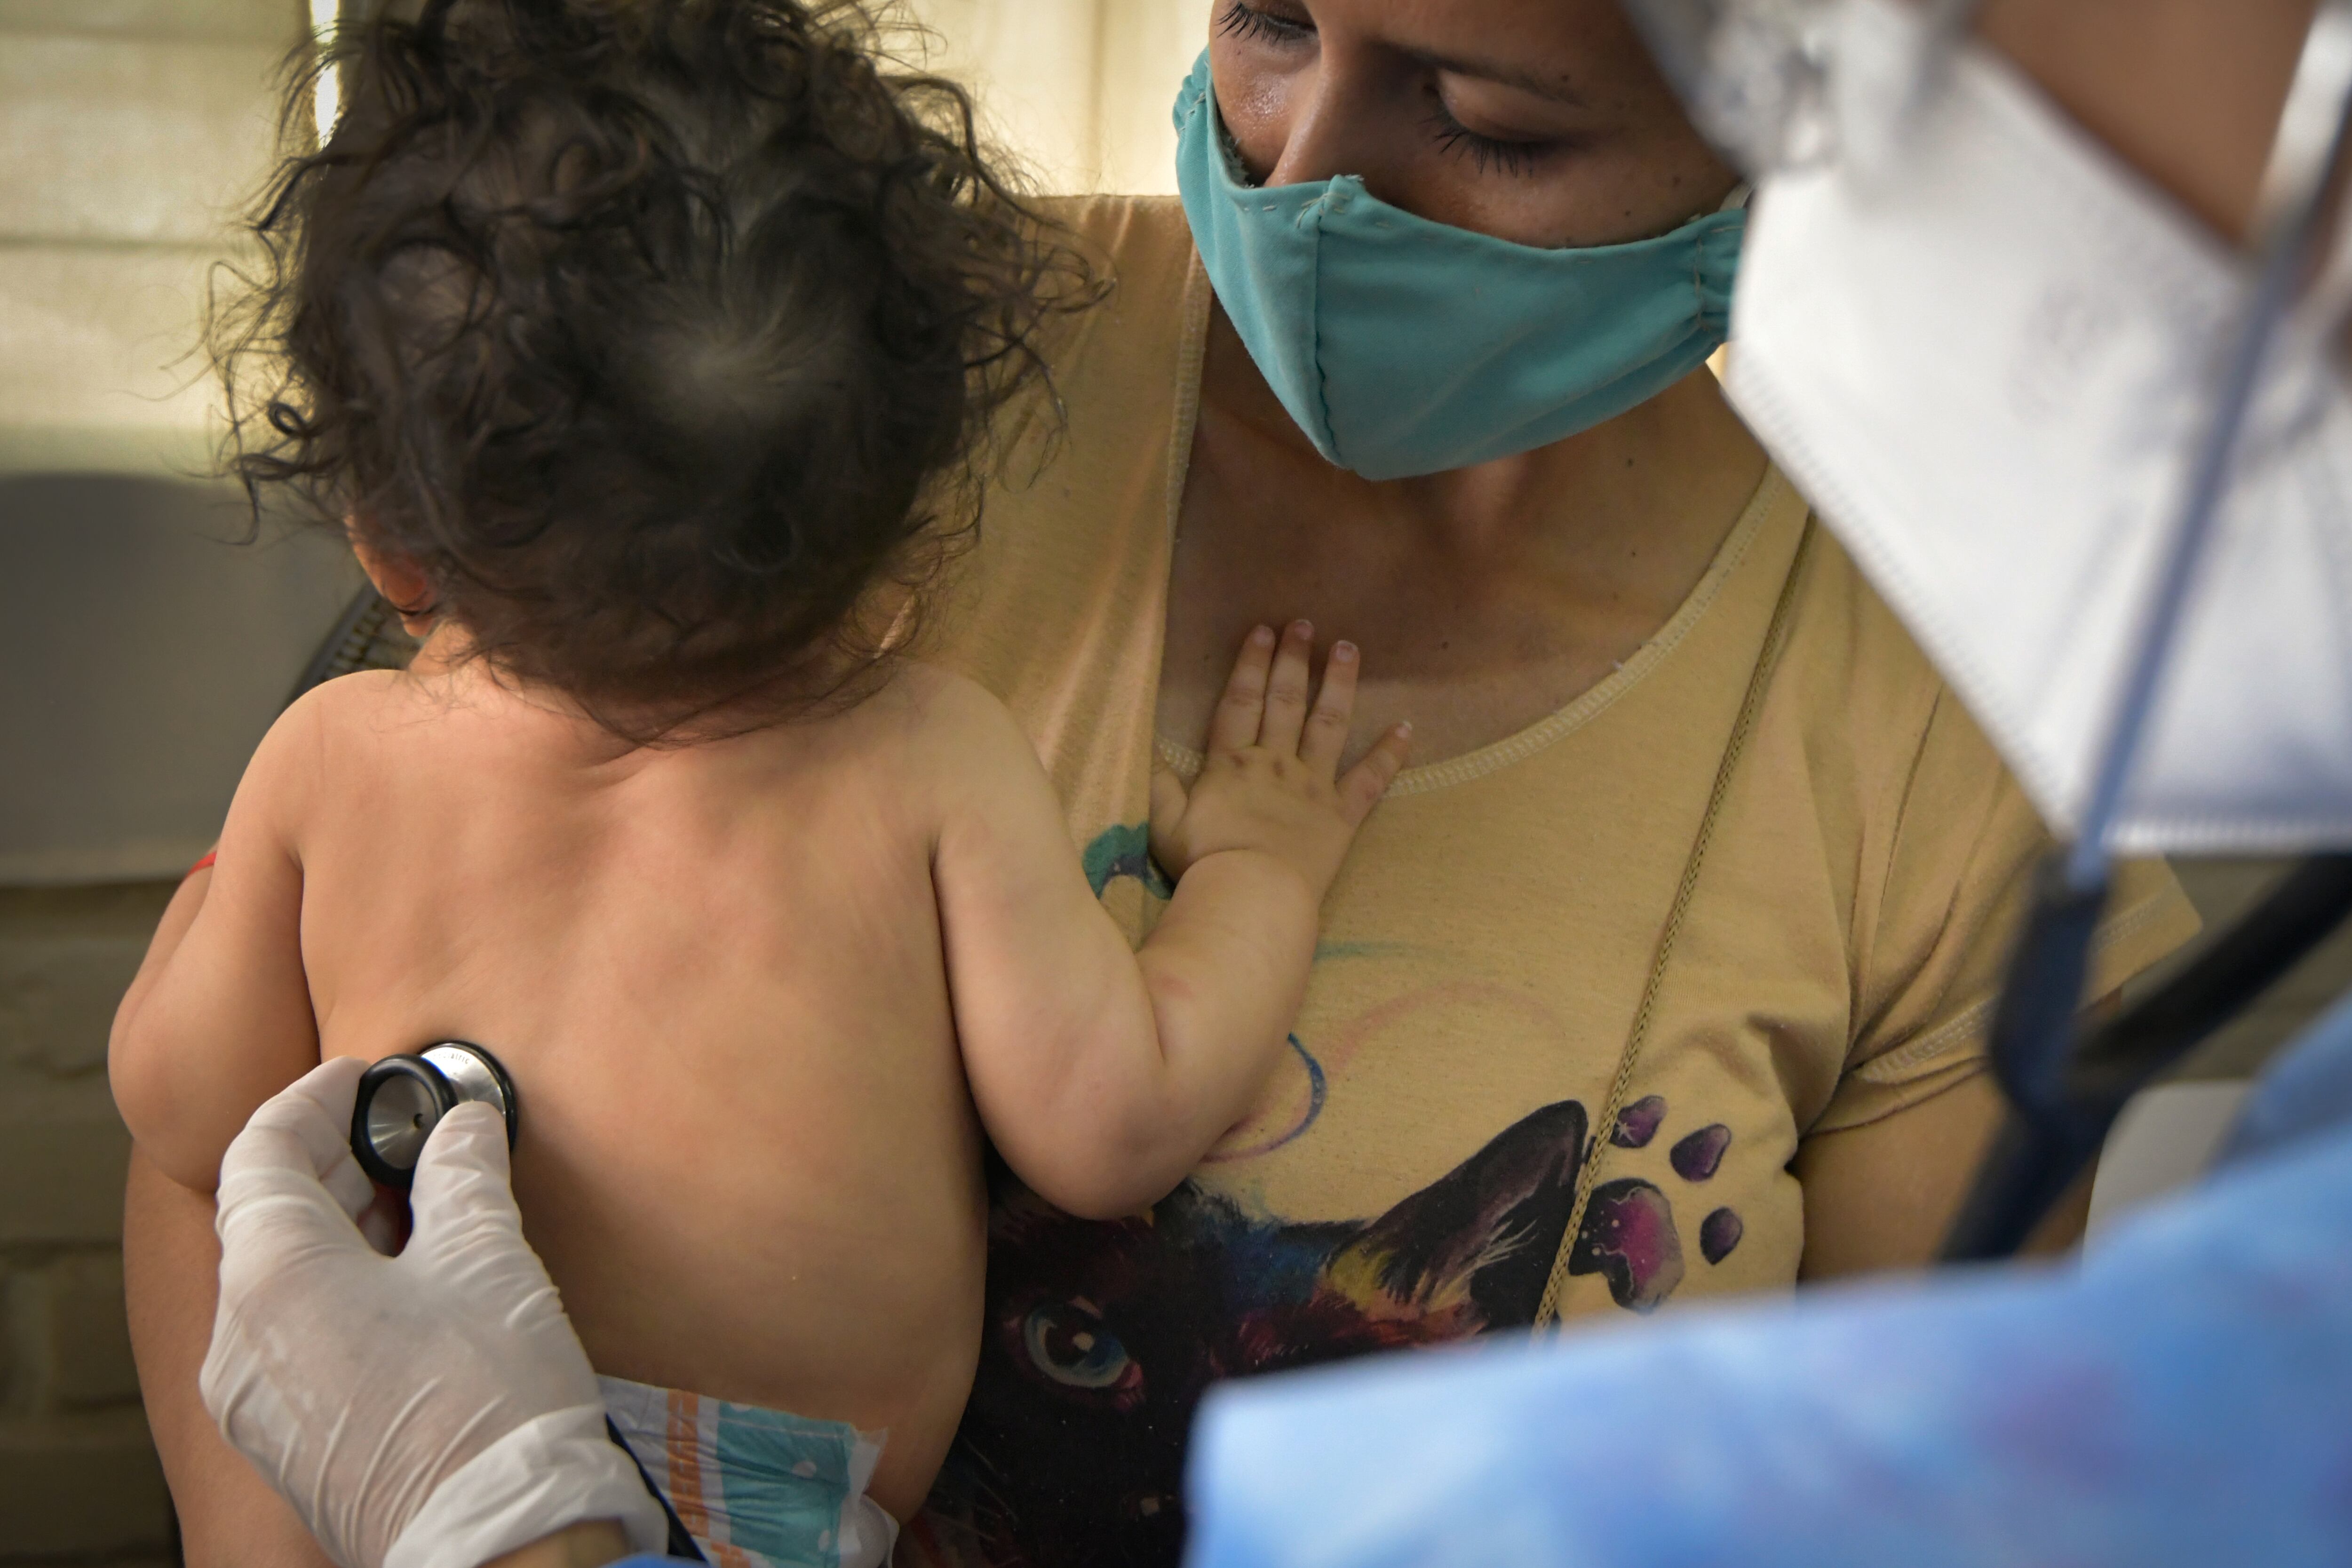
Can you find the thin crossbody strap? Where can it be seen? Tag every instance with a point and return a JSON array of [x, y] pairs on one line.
[[1588, 1175]]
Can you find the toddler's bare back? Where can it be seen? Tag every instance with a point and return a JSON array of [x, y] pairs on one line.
[[715, 972], [758, 996]]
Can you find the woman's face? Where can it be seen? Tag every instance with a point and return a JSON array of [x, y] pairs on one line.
[[1541, 122]]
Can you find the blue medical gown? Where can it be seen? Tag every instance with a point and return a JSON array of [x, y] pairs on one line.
[[2183, 1397]]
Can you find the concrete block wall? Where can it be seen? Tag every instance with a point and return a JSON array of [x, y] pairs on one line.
[[130, 133], [79, 1480]]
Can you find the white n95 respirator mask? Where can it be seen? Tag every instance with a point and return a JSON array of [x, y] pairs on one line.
[[1989, 353]]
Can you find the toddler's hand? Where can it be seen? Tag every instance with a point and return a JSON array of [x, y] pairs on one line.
[[1271, 782]]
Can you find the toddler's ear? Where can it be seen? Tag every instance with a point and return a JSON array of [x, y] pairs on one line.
[[401, 581]]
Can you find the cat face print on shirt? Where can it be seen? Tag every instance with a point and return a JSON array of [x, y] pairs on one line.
[[1101, 1338]]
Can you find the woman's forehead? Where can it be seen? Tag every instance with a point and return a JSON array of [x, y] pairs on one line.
[[1558, 50]]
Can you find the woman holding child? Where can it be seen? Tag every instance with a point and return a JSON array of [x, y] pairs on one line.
[[1660, 975]]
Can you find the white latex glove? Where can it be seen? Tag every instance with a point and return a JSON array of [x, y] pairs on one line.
[[433, 1410]]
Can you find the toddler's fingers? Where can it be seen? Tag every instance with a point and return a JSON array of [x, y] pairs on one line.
[[1168, 799], [1239, 713], [1335, 706], [1286, 691], [1369, 779]]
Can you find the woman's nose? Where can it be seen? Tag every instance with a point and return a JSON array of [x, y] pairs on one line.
[[1333, 125]]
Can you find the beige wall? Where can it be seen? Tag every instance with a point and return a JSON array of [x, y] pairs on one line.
[[133, 129], [1080, 89]]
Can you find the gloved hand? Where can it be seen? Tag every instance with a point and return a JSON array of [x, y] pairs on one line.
[[433, 1410]]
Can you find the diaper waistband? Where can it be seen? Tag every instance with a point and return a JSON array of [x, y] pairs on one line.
[[758, 1488]]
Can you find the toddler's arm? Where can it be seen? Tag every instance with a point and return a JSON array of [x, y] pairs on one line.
[[219, 1017], [1103, 1075]]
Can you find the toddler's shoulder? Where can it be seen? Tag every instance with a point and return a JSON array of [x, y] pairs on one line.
[[363, 691], [949, 715], [952, 743], [291, 771], [313, 721]]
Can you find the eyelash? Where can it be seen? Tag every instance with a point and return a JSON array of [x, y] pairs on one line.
[[1243, 20], [1488, 153]]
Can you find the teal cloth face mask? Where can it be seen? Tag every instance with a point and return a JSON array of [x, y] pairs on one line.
[[1403, 347]]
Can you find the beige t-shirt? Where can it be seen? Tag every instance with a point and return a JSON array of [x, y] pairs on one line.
[[1407, 1175]]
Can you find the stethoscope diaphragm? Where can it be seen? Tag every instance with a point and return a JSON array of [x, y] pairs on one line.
[[401, 1098]]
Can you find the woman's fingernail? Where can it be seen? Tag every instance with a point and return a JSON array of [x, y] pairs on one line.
[[1404, 730], [1302, 629], [1262, 636], [1344, 653]]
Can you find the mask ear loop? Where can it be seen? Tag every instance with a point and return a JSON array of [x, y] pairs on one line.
[[2057, 1122]]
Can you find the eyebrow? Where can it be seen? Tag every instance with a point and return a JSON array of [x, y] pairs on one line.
[[1509, 75]]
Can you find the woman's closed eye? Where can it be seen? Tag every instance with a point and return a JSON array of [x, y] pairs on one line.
[[1285, 25], [1241, 20], [1496, 155]]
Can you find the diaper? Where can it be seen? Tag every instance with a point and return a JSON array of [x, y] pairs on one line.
[[758, 1488]]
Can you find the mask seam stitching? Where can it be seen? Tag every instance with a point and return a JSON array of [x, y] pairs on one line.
[[1314, 346]]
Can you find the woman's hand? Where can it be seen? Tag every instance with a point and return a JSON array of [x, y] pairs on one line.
[[429, 1409], [1271, 783]]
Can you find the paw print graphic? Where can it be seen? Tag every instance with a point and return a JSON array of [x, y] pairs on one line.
[[1629, 1235]]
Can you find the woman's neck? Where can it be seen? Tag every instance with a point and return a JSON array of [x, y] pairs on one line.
[[1483, 598], [1679, 463]]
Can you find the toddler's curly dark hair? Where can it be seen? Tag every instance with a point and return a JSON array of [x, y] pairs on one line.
[[656, 333]]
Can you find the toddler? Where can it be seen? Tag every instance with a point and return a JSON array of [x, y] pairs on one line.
[[644, 347]]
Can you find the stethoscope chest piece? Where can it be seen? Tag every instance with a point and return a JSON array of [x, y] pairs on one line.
[[401, 1098]]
